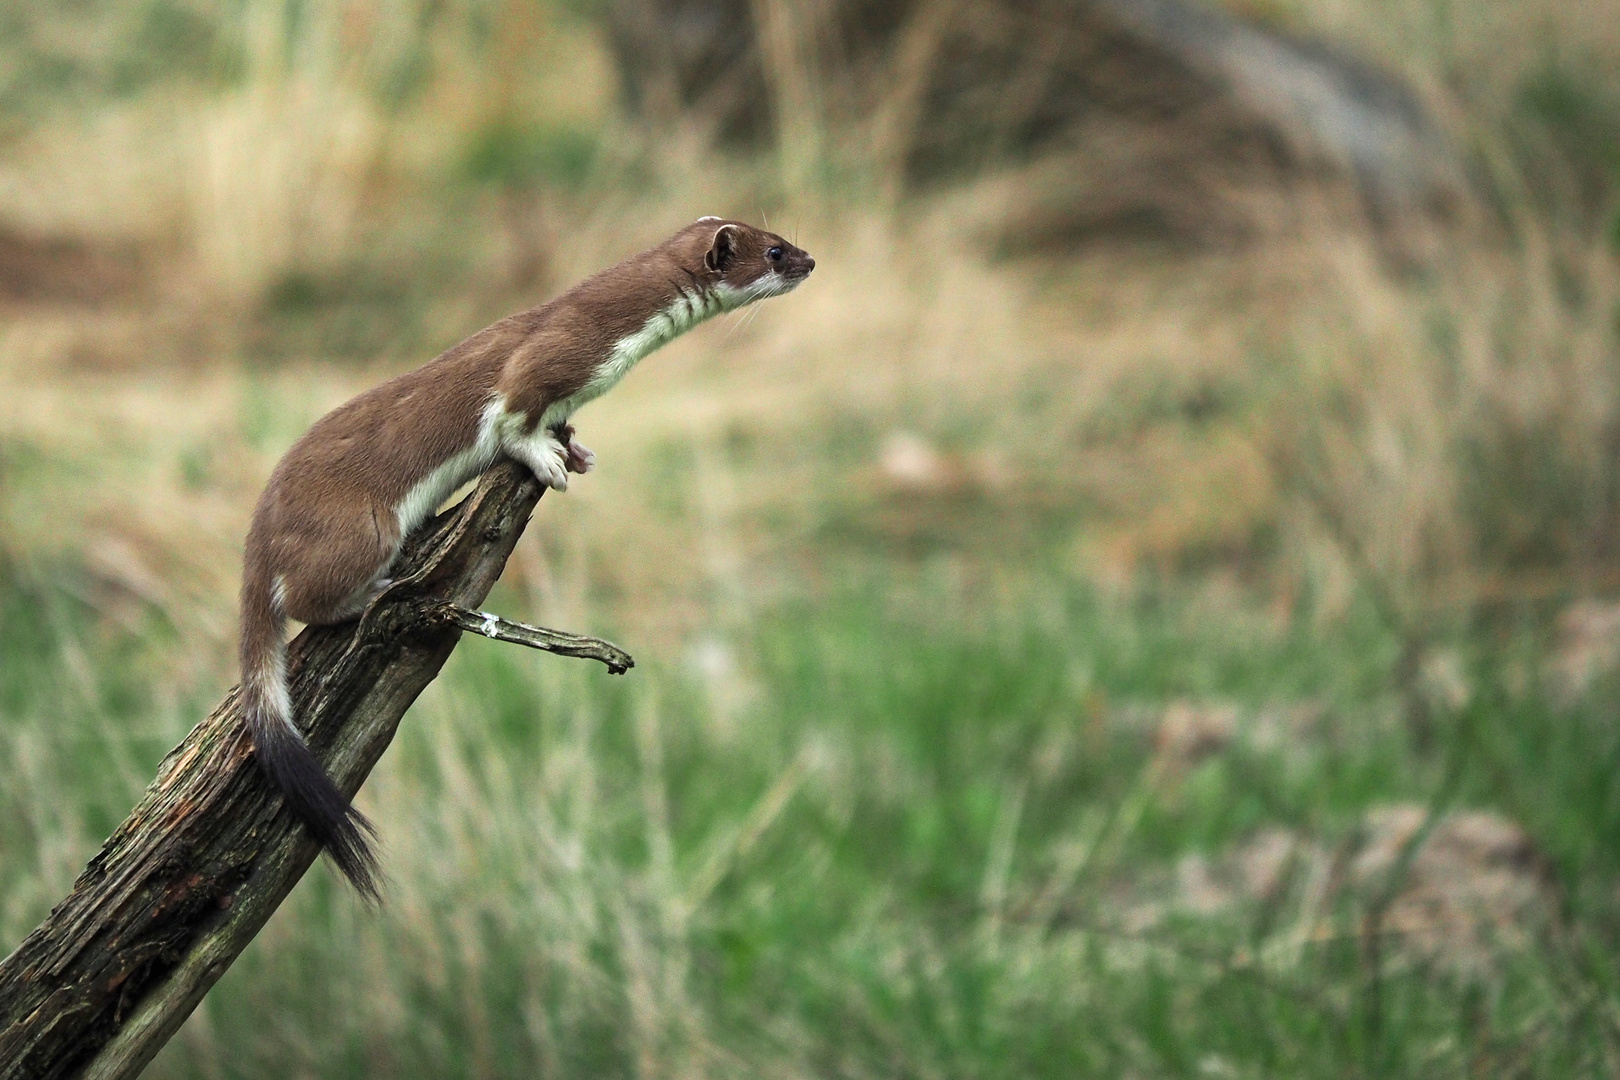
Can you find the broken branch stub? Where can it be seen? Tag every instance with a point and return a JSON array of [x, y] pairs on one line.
[[210, 851], [537, 637]]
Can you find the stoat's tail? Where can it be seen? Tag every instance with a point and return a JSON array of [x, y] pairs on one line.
[[283, 755]]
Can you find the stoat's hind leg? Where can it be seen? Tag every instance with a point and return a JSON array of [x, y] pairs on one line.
[[362, 599], [330, 571]]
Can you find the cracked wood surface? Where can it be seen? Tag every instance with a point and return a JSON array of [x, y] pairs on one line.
[[210, 851]]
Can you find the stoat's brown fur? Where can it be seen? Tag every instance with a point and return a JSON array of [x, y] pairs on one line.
[[342, 500]]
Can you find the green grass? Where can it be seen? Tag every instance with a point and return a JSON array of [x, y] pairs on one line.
[[910, 828]]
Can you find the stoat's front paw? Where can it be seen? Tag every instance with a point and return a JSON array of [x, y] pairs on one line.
[[551, 465], [580, 459]]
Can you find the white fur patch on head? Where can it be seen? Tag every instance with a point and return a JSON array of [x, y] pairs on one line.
[[710, 217], [770, 283]]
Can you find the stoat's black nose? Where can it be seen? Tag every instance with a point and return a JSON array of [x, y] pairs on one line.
[[809, 264]]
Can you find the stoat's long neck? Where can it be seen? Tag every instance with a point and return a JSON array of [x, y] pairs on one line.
[[663, 326]]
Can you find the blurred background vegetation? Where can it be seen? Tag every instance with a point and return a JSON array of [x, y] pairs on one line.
[[1149, 606]]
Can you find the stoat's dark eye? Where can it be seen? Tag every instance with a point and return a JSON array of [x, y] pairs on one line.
[[775, 254]]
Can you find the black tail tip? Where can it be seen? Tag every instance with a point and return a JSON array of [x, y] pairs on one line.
[[325, 810], [350, 847]]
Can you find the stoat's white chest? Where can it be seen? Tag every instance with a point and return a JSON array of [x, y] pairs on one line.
[[427, 493]]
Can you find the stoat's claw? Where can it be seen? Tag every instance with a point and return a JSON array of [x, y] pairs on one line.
[[555, 479]]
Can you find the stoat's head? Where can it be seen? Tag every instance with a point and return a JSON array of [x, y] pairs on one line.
[[744, 264]]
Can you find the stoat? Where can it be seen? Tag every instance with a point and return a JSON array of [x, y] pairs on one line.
[[342, 500]]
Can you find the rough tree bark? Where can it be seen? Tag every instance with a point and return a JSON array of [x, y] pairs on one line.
[[209, 853]]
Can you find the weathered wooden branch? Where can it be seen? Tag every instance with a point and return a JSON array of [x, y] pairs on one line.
[[537, 637], [209, 853]]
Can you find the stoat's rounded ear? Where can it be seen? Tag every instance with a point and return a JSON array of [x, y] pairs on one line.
[[723, 249]]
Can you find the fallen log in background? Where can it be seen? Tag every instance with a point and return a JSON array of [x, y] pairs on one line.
[[210, 851]]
